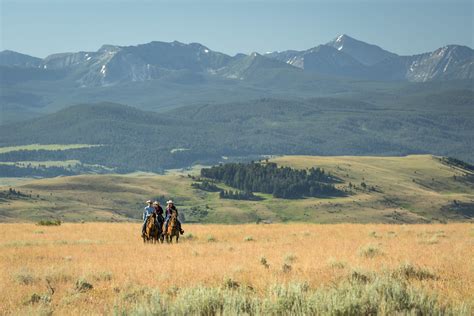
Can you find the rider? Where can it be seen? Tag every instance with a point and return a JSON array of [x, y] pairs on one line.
[[146, 213], [158, 212], [169, 209]]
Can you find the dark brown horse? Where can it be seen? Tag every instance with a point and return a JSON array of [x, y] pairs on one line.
[[173, 229], [152, 231]]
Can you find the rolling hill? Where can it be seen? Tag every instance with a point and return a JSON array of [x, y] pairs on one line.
[[412, 189]]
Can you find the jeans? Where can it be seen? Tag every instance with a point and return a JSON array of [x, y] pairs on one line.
[[144, 226], [167, 219]]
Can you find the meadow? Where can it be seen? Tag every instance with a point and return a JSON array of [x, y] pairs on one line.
[[45, 147], [104, 268], [411, 189]]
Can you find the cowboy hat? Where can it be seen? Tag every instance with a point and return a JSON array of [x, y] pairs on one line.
[[156, 203], [170, 202], [149, 202]]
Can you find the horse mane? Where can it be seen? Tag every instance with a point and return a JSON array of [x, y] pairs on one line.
[[174, 216]]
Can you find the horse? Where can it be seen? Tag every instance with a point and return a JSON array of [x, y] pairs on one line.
[[152, 231], [172, 230], [160, 221]]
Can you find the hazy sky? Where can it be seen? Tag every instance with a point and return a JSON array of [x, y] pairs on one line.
[[42, 27]]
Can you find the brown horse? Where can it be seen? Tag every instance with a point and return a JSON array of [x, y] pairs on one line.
[[173, 230], [152, 231]]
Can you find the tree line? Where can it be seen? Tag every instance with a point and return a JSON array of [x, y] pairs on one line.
[[206, 186], [236, 195], [46, 172], [281, 182]]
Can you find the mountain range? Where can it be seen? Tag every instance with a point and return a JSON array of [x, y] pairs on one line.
[[190, 104], [342, 57], [348, 57], [159, 76]]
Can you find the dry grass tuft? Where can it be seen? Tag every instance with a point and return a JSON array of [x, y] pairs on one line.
[[370, 251]]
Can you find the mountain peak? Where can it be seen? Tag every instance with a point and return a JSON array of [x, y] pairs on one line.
[[367, 54], [255, 54], [342, 37], [108, 48]]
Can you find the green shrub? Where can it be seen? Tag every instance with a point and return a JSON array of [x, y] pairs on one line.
[[391, 234], [83, 286], [248, 238], [53, 222], [264, 262], [38, 298], [25, 277], [409, 271], [374, 235], [137, 294], [229, 283], [369, 295], [361, 276], [211, 238], [189, 236], [286, 268], [333, 263], [290, 258]]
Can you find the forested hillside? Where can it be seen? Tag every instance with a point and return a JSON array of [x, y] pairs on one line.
[[136, 140]]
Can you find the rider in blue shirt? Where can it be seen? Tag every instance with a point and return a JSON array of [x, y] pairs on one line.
[[146, 213]]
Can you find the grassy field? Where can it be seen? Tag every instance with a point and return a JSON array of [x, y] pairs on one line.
[[44, 147], [412, 189], [101, 268], [48, 163]]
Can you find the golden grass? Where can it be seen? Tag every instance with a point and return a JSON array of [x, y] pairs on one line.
[[114, 260]]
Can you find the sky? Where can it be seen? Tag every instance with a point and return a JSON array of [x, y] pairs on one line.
[[43, 27]]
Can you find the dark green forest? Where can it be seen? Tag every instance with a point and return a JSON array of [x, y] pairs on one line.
[[281, 182], [405, 121], [206, 186], [236, 195]]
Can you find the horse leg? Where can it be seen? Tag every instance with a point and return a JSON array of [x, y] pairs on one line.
[[177, 237]]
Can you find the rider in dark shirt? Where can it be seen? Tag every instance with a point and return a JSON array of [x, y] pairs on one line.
[[158, 212], [169, 209]]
